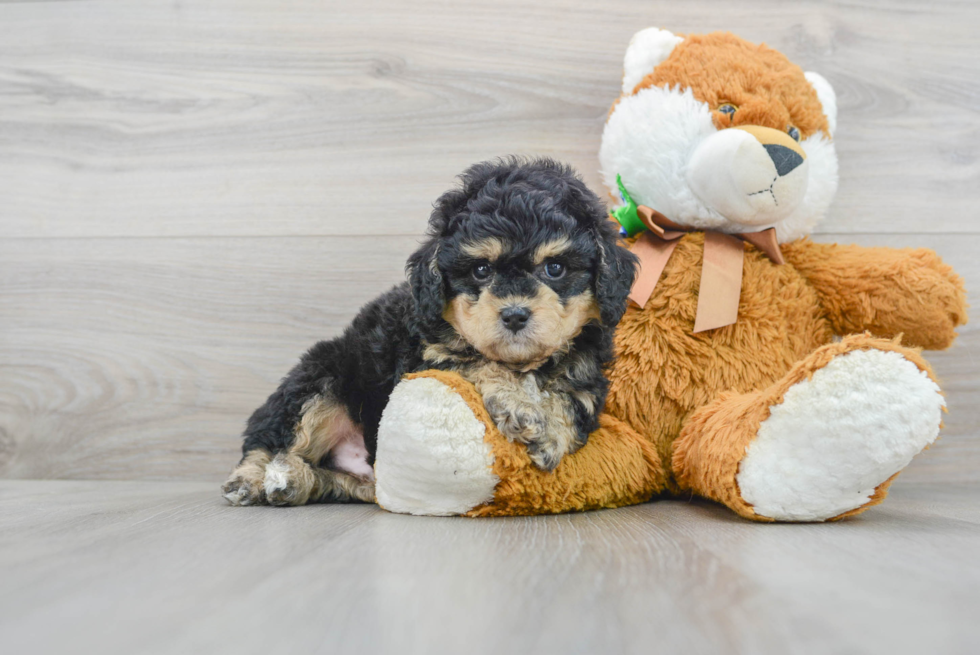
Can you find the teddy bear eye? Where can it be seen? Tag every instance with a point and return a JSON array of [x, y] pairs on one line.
[[727, 108], [793, 133]]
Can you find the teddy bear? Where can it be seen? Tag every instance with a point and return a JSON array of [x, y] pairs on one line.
[[778, 376]]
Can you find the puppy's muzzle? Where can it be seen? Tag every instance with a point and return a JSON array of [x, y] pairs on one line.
[[515, 318]]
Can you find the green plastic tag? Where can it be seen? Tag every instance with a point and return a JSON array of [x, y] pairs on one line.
[[626, 215]]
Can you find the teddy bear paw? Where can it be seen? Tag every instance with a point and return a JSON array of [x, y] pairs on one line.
[[839, 435], [432, 458]]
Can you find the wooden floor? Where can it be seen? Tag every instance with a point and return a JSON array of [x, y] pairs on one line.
[[166, 567], [192, 192]]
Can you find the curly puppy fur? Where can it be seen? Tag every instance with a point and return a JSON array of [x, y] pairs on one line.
[[518, 287]]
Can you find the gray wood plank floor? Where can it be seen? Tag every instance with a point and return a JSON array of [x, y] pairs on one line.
[[156, 567]]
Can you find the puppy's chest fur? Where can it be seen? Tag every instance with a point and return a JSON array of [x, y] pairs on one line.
[[535, 382]]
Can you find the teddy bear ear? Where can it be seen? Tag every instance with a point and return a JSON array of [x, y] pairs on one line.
[[827, 97], [647, 48]]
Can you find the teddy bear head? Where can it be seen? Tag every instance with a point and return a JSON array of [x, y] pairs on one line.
[[716, 133]]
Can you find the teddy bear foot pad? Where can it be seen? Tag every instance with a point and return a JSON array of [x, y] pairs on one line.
[[839, 436], [432, 458]]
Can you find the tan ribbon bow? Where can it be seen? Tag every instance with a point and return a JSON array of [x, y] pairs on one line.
[[721, 274]]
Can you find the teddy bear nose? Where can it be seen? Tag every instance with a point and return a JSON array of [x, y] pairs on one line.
[[785, 160], [515, 318]]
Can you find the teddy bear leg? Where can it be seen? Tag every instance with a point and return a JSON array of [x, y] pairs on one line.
[[432, 457], [440, 453], [821, 444]]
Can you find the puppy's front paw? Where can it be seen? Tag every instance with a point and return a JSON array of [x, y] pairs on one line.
[[560, 439], [289, 480], [243, 490], [517, 420], [244, 485], [546, 454]]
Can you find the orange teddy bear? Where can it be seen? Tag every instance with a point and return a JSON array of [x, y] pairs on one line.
[[731, 381]]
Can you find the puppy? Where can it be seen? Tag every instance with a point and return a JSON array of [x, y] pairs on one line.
[[518, 289]]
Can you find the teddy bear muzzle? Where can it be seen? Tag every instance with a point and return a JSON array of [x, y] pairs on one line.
[[749, 174]]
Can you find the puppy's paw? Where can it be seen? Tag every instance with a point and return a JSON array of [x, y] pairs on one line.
[[560, 440], [244, 485], [289, 480], [517, 420], [364, 492], [243, 490], [340, 487], [546, 454]]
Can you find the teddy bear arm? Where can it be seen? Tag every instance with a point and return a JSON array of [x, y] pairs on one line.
[[440, 453], [885, 291]]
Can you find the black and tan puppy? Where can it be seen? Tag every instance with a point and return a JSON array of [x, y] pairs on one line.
[[518, 288]]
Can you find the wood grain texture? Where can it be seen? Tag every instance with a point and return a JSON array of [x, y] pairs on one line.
[[192, 193], [129, 358], [242, 117], [124, 567]]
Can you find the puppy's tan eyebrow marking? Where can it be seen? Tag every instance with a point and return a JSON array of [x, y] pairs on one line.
[[490, 249], [551, 249]]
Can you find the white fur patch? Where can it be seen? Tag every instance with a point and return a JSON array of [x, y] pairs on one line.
[[821, 156], [650, 139], [827, 96], [732, 173], [646, 50], [838, 435], [276, 475], [431, 456]]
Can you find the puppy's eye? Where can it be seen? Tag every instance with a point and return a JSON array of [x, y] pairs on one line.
[[793, 133], [554, 270], [728, 109], [482, 271]]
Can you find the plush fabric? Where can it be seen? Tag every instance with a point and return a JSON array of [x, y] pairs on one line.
[[433, 459], [615, 468], [715, 441], [766, 87], [654, 130], [664, 372], [886, 291], [441, 454]]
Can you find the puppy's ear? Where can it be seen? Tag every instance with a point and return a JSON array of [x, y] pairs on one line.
[[615, 272], [616, 266], [422, 267], [426, 281]]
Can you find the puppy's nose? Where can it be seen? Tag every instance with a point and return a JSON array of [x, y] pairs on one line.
[[515, 318]]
